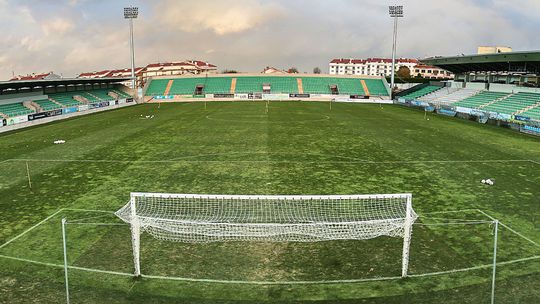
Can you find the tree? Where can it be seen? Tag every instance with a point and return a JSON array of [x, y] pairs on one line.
[[227, 71], [404, 72], [293, 70], [316, 70]]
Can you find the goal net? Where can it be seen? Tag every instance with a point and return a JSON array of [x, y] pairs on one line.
[[195, 218]]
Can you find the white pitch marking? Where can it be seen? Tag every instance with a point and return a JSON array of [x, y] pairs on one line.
[[31, 228], [274, 161], [274, 282], [512, 230]]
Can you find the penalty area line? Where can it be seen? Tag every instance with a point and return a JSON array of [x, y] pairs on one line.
[[88, 210], [47, 219], [511, 229], [277, 161], [271, 282], [31, 228]]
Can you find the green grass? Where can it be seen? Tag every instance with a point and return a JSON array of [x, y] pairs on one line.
[[298, 148]]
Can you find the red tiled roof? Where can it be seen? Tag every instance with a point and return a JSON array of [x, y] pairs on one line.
[[202, 63], [167, 64], [423, 66], [95, 74], [31, 77], [407, 60], [342, 61], [115, 73]]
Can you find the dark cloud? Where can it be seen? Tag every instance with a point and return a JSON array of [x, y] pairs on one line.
[[72, 36]]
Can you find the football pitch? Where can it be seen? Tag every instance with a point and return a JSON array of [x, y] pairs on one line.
[[294, 148]]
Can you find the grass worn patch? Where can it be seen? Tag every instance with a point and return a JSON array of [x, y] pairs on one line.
[[297, 148]]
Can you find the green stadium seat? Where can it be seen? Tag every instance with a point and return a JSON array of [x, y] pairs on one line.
[[514, 103], [480, 99], [278, 85], [47, 105], [157, 87], [421, 92], [14, 109], [533, 113]]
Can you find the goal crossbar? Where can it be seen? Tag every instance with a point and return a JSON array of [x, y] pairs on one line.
[[197, 218]]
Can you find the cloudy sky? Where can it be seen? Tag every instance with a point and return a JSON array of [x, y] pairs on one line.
[[72, 36]]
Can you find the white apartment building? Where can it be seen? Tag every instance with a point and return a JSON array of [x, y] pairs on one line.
[[189, 67], [370, 66], [431, 72]]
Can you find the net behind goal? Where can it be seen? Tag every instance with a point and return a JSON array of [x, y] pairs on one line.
[[217, 218]]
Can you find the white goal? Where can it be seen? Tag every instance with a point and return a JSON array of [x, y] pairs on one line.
[[194, 218]]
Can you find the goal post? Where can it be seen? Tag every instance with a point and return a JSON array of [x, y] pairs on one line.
[[135, 235], [196, 218], [410, 217]]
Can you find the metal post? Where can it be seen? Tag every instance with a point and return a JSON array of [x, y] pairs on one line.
[[496, 224], [132, 53], [131, 13], [395, 12], [28, 174], [407, 233], [135, 237], [392, 80], [65, 259]]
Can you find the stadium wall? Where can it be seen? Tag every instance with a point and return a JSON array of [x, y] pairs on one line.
[[19, 122], [307, 88], [507, 88]]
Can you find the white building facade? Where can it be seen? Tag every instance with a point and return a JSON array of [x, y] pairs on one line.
[[369, 67], [383, 67], [188, 67], [431, 72]]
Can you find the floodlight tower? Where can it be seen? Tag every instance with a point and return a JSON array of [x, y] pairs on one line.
[[131, 13], [396, 11]]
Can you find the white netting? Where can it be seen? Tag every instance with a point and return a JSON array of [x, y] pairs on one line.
[[211, 218]]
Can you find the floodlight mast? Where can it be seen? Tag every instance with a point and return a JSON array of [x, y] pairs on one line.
[[396, 11], [131, 13]]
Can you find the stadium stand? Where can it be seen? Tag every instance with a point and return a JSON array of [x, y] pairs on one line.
[[458, 95], [322, 85], [376, 87], [219, 85], [533, 113], [122, 94], [90, 97], [435, 95], [47, 105], [14, 109], [513, 103], [480, 99], [65, 99], [184, 86], [422, 92], [101, 94], [276, 84], [157, 87]]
